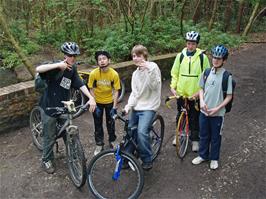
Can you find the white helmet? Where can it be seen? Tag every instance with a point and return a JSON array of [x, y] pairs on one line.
[[193, 36]]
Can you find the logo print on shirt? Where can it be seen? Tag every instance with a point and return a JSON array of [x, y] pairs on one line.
[[65, 83]]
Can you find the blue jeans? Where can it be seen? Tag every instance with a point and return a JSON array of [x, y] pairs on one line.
[[210, 136], [98, 123], [143, 120]]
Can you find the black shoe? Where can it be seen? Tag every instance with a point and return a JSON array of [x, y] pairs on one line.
[[147, 166], [48, 167]]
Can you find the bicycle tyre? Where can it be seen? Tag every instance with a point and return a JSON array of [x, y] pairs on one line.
[[182, 137], [121, 92], [76, 160], [100, 171], [157, 135], [36, 127]]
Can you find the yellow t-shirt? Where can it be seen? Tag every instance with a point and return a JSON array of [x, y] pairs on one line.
[[103, 84]]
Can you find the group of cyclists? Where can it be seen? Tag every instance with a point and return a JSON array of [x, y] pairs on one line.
[[187, 80]]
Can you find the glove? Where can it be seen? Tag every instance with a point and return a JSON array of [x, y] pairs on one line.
[[113, 112]]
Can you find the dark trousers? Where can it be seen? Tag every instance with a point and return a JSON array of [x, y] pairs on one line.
[[210, 136], [98, 123], [193, 115]]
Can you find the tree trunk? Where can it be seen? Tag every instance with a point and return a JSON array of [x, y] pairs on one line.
[[213, 15], [12, 40], [227, 15], [239, 15], [182, 17], [251, 19], [196, 14]]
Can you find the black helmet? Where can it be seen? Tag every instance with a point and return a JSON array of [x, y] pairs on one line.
[[70, 48], [193, 36], [102, 52]]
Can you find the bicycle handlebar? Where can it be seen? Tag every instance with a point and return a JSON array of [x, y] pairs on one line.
[[120, 116], [64, 110]]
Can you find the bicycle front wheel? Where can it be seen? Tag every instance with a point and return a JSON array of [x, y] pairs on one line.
[[182, 135], [76, 160], [36, 127], [157, 135], [100, 176]]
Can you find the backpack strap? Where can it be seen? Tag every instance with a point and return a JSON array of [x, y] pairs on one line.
[[206, 74], [201, 61], [181, 58]]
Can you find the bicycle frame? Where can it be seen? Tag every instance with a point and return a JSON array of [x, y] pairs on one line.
[[184, 110]]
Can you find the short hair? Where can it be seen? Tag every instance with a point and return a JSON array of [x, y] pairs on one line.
[[140, 50]]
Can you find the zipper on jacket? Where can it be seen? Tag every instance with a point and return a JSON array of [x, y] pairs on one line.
[[189, 64]]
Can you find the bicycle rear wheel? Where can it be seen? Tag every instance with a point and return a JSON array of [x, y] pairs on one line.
[[36, 127], [121, 92], [76, 160], [182, 135], [78, 99], [157, 135], [100, 176]]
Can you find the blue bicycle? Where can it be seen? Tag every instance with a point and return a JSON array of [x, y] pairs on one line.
[[117, 174]]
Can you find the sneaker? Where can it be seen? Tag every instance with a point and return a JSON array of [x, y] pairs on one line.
[[113, 144], [197, 160], [174, 141], [98, 149], [214, 164], [195, 146], [147, 166], [48, 167]]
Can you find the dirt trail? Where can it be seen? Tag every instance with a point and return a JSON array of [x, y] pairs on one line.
[[242, 166]]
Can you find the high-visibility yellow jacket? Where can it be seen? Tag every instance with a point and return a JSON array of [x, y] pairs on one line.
[[186, 76]]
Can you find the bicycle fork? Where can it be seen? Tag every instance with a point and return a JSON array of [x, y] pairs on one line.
[[119, 162]]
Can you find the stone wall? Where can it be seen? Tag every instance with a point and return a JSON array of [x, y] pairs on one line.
[[16, 101]]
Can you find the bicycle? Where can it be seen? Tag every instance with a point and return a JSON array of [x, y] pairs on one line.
[[182, 128], [74, 150], [115, 173], [78, 97]]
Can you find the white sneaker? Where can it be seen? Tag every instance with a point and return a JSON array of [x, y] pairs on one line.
[[197, 160], [214, 164], [195, 146], [98, 149], [174, 141]]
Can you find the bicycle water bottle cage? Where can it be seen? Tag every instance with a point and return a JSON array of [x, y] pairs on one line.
[[70, 106]]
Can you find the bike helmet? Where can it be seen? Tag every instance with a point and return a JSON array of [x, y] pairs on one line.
[[193, 36], [70, 48], [220, 52], [102, 52]]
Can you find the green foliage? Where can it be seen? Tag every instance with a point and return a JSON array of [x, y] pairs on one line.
[[10, 59]]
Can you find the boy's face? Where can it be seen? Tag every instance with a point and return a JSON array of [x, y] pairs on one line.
[[70, 59], [217, 62], [103, 61], [137, 58], [191, 46]]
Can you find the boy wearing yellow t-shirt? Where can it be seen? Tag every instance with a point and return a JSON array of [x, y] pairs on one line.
[[104, 84]]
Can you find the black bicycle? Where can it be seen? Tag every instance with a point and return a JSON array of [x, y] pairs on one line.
[[114, 173], [74, 150]]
